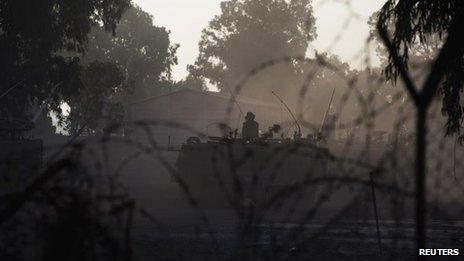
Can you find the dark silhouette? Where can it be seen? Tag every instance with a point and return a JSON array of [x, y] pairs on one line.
[[250, 129], [37, 40], [423, 23], [451, 51], [276, 128], [332, 191], [143, 50]]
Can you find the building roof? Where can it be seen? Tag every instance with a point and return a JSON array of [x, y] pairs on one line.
[[239, 99]]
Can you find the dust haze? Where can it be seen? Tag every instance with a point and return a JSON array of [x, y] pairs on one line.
[[241, 130]]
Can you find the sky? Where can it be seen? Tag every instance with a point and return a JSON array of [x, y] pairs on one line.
[[342, 20]]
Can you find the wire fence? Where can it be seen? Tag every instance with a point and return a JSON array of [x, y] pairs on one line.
[[357, 197]]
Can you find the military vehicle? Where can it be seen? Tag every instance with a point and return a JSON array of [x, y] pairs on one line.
[[228, 171], [260, 171]]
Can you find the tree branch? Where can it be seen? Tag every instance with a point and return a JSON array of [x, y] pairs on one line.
[[410, 86], [452, 49]]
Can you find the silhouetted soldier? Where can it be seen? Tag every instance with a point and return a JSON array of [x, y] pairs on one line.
[[250, 129]]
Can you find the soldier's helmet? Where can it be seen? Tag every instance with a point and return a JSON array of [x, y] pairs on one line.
[[249, 116]]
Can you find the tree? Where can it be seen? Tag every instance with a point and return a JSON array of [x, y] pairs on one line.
[[420, 56], [357, 94], [143, 55], [248, 33], [97, 105], [142, 50], [415, 23], [33, 37]]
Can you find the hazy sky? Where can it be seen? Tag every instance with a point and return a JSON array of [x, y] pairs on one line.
[[186, 18]]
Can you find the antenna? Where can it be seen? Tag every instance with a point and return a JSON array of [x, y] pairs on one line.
[[327, 111], [291, 114]]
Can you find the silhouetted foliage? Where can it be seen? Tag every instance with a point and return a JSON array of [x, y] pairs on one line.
[[98, 104], [142, 50], [77, 207], [414, 23], [421, 54], [33, 37]]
